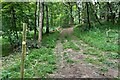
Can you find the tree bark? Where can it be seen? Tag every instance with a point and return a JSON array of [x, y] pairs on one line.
[[88, 17], [35, 27], [71, 17], [43, 16], [119, 15], [40, 24], [79, 14], [47, 20], [23, 50]]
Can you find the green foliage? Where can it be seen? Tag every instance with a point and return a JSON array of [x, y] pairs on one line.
[[13, 15], [65, 55], [78, 25], [65, 21], [113, 55], [5, 73], [30, 34], [104, 69], [92, 51], [71, 45], [0, 39], [101, 59], [70, 61], [6, 49], [108, 63], [92, 60], [39, 62], [49, 40], [97, 38]]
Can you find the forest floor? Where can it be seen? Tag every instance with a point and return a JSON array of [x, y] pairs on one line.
[[75, 59], [71, 62]]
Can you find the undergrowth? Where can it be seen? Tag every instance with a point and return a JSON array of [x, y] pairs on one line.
[[38, 63], [98, 37]]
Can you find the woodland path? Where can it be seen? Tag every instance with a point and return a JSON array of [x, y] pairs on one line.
[[73, 65], [71, 62]]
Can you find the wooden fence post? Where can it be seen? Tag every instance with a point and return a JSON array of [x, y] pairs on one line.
[[23, 50]]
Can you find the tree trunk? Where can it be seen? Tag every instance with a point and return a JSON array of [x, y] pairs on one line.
[[35, 27], [40, 24], [43, 16], [47, 20], [119, 15], [118, 19], [79, 14], [71, 17], [88, 17], [23, 50]]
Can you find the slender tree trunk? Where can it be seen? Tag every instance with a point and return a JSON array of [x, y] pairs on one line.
[[38, 13], [47, 20], [71, 17], [40, 24], [23, 51], [107, 16], [118, 19], [43, 16], [79, 14], [88, 17], [119, 15], [35, 27]]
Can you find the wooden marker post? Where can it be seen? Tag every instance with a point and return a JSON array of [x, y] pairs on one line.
[[23, 50]]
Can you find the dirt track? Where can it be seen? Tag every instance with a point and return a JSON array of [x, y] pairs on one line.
[[79, 68]]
